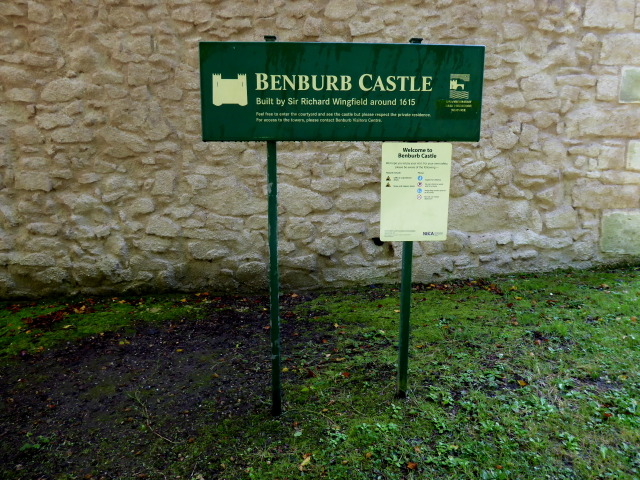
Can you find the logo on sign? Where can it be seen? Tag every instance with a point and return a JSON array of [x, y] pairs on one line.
[[229, 91], [457, 85]]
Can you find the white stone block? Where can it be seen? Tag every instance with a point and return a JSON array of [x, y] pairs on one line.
[[539, 86], [620, 49], [630, 85], [621, 232], [633, 155], [607, 87], [609, 13], [563, 217]]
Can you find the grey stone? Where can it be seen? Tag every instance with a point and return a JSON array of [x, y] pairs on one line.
[[162, 227], [36, 260], [503, 138], [207, 250], [73, 134], [53, 120], [63, 90], [36, 12], [28, 180], [27, 95], [301, 201], [341, 9]]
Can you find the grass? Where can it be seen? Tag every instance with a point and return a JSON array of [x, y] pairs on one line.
[[519, 377], [34, 326]]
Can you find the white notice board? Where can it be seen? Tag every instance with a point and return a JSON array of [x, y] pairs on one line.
[[414, 198]]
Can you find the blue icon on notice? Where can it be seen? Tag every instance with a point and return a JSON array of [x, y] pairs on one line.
[[419, 190], [419, 177]]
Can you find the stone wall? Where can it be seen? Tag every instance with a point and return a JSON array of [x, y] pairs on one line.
[[105, 185]]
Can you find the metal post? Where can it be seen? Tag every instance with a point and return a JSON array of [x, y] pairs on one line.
[[405, 314], [405, 308], [274, 275], [274, 278]]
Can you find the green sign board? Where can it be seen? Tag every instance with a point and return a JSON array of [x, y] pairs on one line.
[[340, 91]]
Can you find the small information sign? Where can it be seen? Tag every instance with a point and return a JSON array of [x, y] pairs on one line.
[[414, 200]]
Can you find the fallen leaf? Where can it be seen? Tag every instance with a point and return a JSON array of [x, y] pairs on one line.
[[522, 383], [345, 374], [412, 465], [305, 462]]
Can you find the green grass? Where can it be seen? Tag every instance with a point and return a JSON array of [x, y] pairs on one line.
[[519, 377], [31, 327]]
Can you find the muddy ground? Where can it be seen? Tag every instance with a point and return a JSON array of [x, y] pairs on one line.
[[94, 409]]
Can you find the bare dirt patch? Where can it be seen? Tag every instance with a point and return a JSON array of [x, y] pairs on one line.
[[100, 408]]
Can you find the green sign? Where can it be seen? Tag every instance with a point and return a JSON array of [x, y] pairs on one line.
[[340, 91]]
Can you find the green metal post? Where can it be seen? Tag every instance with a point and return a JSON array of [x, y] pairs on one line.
[[274, 279], [405, 314], [405, 308], [274, 275]]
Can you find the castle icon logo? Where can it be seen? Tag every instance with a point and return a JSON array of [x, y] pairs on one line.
[[229, 91], [457, 85]]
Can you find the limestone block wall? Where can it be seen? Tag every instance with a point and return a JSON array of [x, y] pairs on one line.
[[106, 186]]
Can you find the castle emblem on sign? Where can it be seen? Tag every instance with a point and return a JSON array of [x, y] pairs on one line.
[[229, 91], [457, 85]]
